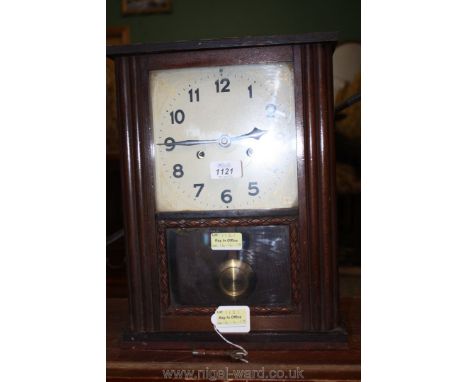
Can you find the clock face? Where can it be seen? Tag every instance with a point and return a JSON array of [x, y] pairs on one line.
[[224, 138]]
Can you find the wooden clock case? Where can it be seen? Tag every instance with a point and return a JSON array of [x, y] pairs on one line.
[[312, 319]]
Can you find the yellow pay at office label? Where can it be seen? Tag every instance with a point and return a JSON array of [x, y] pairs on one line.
[[226, 241]]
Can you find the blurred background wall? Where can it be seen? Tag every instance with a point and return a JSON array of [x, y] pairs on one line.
[[195, 19]]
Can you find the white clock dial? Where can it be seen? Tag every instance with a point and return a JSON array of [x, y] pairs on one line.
[[224, 138]]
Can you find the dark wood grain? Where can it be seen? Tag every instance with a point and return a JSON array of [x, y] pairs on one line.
[[233, 42], [226, 214], [138, 202], [124, 113], [319, 218], [139, 361]]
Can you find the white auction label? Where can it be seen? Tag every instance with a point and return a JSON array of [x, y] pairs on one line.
[[232, 319], [226, 241], [226, 169]]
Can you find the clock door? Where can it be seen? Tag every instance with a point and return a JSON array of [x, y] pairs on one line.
[[226, 187], [224, 137]]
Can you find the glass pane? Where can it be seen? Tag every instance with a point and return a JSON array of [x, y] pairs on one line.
[[256, 275], [224, 138]]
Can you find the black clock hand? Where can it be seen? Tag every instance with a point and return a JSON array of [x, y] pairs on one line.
[[189, 142], [223, 141]]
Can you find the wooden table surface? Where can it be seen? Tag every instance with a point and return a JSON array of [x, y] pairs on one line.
[[127, 363]]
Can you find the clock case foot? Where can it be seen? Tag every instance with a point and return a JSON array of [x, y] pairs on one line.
[[333, 339]]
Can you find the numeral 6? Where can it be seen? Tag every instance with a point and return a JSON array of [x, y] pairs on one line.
[[226, 196]]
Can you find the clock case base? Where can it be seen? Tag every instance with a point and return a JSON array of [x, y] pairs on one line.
[[318, 323], [333, 339]]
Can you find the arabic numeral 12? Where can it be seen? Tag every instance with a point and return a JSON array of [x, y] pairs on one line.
[[224, 82]]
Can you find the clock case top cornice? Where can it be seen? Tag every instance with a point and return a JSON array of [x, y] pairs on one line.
[[231, 42]]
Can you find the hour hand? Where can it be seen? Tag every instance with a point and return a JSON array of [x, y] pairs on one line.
[[188, 142], [171, 143], [223, 140]]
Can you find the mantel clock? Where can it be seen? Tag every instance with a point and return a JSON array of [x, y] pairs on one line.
[[229, 188]]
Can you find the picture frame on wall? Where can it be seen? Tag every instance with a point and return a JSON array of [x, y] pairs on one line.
[[132, 7]]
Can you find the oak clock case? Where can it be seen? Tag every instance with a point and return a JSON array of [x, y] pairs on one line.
[[230, 138]]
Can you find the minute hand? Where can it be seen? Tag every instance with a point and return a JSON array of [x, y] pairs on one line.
[[224, 140]]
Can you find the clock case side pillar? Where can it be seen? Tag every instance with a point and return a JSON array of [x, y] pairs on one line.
[[319, 158], [139, 225]]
